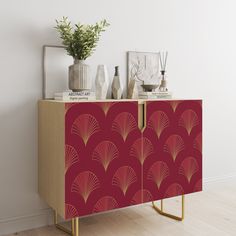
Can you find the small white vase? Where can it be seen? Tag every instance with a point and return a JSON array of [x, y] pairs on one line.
[[79, 76], [102, 82]]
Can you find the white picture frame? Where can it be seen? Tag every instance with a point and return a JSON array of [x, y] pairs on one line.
[[55, 70], [143, 67]]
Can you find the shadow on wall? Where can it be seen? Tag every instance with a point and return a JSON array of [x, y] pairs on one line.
[[19, 159]]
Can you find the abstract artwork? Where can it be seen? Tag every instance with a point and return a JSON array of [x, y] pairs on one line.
[[143, 67]]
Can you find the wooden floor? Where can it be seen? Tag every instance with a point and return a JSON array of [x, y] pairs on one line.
[[209, 213]]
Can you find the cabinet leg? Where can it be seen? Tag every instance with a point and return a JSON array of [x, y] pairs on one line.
[[74, 226], [161, 211]]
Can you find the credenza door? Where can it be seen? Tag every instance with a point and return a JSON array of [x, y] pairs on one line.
[[102, 172], [172, 142]]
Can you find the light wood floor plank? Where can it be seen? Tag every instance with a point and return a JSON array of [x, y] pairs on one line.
[[211, 212]]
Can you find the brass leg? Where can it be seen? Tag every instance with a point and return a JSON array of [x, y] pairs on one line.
[[74, 226], [161, 211]]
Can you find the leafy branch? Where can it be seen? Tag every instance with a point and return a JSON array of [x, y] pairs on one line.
[[81, 40]]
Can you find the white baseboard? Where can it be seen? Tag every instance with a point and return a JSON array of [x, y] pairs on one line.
[[34, 220], [218, 179], [43, 217]]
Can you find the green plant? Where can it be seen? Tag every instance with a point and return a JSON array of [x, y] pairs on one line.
[[80, 41]]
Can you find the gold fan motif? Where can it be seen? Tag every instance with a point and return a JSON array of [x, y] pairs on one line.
[[174, 104], [106, 106], [188, 168], [124, 177], [71, 156], [123, 124], [105, 204], [142, 195], [174, 145], [141, 149], [173, 190], [197, 143], [85, 183], [158, 172], [105, 152], [189, 120], [158, 122], [85, 126]]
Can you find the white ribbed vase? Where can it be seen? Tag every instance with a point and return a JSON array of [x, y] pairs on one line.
[[79, 76]]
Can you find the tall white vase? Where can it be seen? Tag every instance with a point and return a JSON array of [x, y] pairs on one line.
[[102, 82], [79, 76]]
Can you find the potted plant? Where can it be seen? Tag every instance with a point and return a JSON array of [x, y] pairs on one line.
[[80, 42]]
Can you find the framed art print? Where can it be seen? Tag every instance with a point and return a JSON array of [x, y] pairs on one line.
[[143, 67]]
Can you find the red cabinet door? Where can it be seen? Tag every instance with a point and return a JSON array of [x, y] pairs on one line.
[[102, 173], [172, 148], [110, 163]]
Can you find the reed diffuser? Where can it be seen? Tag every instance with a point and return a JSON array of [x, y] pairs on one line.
[[163, 60]]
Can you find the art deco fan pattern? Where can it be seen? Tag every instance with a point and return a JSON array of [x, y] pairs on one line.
[[174, 189], [142, 195], [84, 184], [123, 124], [85, 126], [158, 172], [110, 163], [188, 168], [71, 156], [124, 177], [105, 203], [105, 152], [174, 145], [158, 122], [188, 120], [106, 106], [174, 167], [141, 149]]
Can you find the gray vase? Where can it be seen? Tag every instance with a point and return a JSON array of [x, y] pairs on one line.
[[79, 76], [116, 85]]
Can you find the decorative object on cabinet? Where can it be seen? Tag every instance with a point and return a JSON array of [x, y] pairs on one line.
[[149, 87], [101, 82], [80, 42], [54, 76], [143, 67], [74, 96], [155, 95], [163, 61], [79, 76], [116, 85], [100, 156], [132, 89]]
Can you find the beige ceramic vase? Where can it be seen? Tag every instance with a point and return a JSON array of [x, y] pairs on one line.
[[79, 76]]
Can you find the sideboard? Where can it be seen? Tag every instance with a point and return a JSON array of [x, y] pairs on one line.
[[97, 156]]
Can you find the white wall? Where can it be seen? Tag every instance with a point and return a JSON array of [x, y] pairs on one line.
[[199, 35]]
